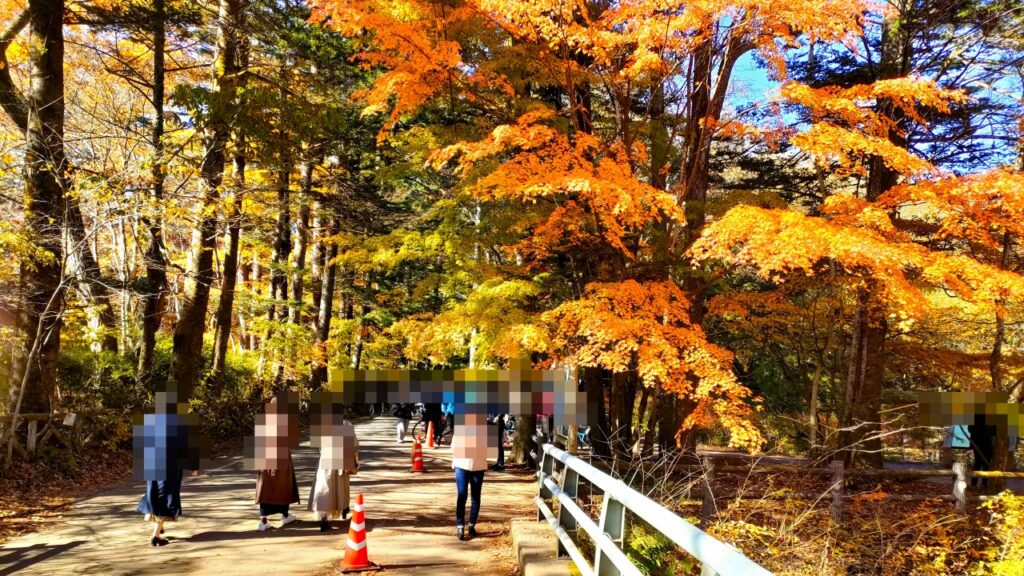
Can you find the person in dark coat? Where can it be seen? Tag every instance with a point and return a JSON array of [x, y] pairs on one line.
[[164, 444], [432, 413], [983, 445], [276, 487]]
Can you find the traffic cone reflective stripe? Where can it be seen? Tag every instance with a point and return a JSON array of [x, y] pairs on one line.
[[417, 456], [356, 557]]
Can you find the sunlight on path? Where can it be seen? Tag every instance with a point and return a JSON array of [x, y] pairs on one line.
[[410, 523]]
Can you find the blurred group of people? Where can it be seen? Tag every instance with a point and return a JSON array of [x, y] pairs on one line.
[[166, 445]]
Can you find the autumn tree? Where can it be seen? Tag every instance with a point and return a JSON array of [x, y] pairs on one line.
[[39, 112]]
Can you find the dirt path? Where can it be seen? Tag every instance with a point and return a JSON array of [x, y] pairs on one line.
[[410, 523]]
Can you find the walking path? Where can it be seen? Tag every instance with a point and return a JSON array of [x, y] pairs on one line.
[[410, 523]]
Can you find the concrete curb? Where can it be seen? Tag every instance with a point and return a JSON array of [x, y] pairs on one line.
[[534, 543]]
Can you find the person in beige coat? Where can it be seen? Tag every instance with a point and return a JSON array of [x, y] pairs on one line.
[[339, 459]]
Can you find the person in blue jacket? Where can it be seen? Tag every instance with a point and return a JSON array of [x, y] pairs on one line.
[[165, 443]]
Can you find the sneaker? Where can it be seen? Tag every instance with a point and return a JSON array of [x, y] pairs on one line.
[[325, 526], [157, 541], [459, 534], [472, 531], [263, 525], [286, 520]]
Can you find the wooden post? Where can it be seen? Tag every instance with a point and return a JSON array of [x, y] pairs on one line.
[[30, 441], [960, 487], [838, 488], [707, 508], [76, 434]]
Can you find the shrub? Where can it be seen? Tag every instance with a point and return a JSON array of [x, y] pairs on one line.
[[1007, 526]]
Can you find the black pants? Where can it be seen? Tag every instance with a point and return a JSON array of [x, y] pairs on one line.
[[268, 509]]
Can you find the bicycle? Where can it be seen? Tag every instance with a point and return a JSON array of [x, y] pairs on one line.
[[420, 429]]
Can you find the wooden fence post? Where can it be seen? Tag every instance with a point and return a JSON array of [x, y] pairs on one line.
[[960, 487], [837, 488], [707, 507], [30, 440]]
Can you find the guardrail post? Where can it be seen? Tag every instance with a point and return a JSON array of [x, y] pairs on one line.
[[613, 524], [570, 482], [707, 505], [838, 488], [546, 468], [960, 487]]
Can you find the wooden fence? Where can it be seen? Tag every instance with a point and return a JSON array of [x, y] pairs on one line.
[[72, 430]]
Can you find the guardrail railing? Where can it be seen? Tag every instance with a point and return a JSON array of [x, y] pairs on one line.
[[608, 533]]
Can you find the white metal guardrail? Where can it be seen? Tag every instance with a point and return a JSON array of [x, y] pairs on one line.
[[717, 558]]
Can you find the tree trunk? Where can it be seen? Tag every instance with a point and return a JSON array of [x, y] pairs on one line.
[[862, 421], [232, 241], [256, 286], [155, 289], [40, 318], [622, 404], [522, 441], [1001, 459], [229, 273], [866, 371], [320, 230], [88, 277], [325, 306], [651, 418], [597, 418], [301, 240], [188, 334]]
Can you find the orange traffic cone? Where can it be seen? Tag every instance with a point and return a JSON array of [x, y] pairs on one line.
[[430, 435], [356, 557], [417, 456]]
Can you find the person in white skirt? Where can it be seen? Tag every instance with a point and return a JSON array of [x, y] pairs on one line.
[[339, 459]]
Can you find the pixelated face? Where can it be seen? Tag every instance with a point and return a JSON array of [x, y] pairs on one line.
[[275, 433], [970, 408], [517, 390]]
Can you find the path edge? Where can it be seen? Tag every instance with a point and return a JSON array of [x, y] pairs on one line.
[[534, 544]]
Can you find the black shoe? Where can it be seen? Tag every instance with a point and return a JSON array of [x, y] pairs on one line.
[[157, 541], [344, 513], [459, 534], [325, 526], [472, 531]]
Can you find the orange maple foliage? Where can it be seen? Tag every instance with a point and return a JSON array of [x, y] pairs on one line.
[[978, 208], [848, 129], [625, 326], [579, 174], [776, 243], [591, 179]]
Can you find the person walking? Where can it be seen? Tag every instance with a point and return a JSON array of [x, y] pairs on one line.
[[164, 445], [404, 415], [339, 459], [983, 446], [432, 414], [469, 460], [276, 487]]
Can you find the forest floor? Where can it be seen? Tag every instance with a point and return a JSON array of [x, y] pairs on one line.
[[36, 496], [409, 523]]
